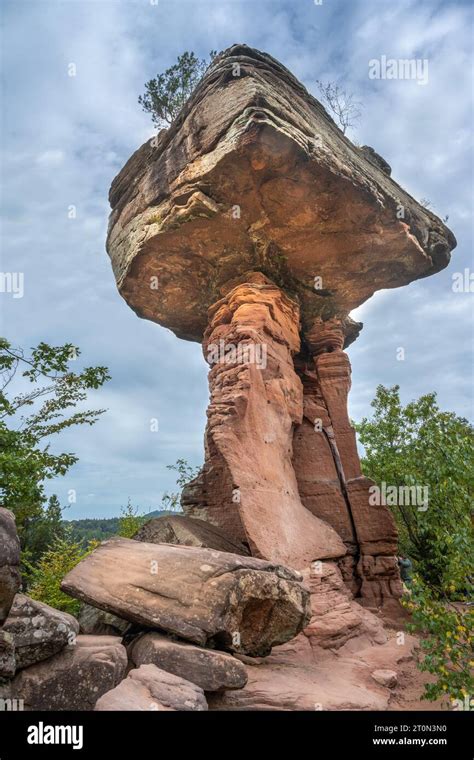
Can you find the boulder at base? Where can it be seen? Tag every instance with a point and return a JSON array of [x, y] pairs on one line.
[[10, 580], [149, 688], [240, 604], [209, 669], [38, 630], [187, 531], [75, 678]]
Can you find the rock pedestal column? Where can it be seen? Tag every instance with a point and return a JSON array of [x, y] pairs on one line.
[[282, 473], [328, 471], [248, 485]]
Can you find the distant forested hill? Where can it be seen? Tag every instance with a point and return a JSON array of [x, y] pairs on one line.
[[101, 528]]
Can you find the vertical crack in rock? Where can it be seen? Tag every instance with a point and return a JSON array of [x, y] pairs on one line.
[[370, 566]]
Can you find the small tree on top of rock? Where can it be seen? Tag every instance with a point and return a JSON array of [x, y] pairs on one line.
[[344, 108], [166, 94]]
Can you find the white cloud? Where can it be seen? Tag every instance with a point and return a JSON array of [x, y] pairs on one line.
[[50, 158]]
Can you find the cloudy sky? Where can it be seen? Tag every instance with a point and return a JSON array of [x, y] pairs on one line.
[[64, 138]]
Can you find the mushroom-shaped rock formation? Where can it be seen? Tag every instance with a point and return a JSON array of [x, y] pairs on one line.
[[254, 225]]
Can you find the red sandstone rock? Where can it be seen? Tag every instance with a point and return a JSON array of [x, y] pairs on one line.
[[254, 175], [254, 178], [337, 620], [249, 484], [10, 579], [330, 481], [150, 688], [297, 676], [238, 603]]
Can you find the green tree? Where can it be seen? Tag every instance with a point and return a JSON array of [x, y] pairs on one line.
[[47, 574], [41, 531], [47, 391], [418, 445], [130, 521], [166, 94]]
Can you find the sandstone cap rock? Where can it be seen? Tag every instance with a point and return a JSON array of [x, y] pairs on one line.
[[254, 175]]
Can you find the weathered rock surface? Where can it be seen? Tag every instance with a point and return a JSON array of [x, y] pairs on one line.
[[185, 531], [95, 622], [38, 630], [297, 677], [149, 688], [337, 620], [73, 679], [328, 472], [205, 596], [387, 678], [292, 678], [254, 222], [10, 580], [254, 175], [7, 655], [207, 668], [249, 485]]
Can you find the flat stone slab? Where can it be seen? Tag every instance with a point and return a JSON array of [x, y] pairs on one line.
[[187, 531], [236, 603]]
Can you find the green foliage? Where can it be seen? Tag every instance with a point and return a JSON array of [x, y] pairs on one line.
[[46, 576], [171, 501], [166, 94], [130, 521], [40, 408], [446, 643], [101, 529], [90, 528], [418, 444], [40, 532]]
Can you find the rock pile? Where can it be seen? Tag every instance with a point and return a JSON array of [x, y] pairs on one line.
[[44, 663], [204, 596], [164, 597]]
